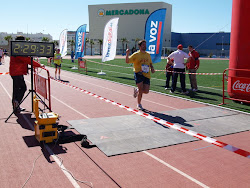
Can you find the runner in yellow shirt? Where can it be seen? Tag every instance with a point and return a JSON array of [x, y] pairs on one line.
[[58, 63], [142, 66]]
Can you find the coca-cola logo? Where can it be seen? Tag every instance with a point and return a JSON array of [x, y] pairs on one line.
[[245, 87]]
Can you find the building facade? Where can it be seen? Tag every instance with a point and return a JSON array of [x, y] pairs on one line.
[[33, 37], [207, 44], [131, 26]]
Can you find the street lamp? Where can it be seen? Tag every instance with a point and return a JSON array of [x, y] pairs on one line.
[[222, 48]]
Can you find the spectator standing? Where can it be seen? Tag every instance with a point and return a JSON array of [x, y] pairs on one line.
[[18, 68], [58, 63], [192, 67], [1, 55], [169, 72], [179, 68], [72, 56], [142, 66]]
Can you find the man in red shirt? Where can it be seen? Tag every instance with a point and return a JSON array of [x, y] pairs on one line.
[[192, 67], [18, 68]]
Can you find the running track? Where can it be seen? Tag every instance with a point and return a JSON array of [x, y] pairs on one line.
[[194, 164]]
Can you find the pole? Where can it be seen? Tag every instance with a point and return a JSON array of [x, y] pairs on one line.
[[32, 80]]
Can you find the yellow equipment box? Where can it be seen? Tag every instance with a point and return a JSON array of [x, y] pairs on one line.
[[45, 124], [46, 133]]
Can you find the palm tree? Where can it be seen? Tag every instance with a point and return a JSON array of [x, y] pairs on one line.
[[136, 40], [45, 39], [8, 38], [100, 41], [72, 43], [56, 43], [85, 48], [91, 42], [124, 40]]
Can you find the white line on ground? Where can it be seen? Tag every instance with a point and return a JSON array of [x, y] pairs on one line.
[[176, 170], [70, 178], [121, 92], [166, 164], [203, 147], [153, 78], [70, 107]]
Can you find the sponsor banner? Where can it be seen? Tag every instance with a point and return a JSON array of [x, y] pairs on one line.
[[121, 12], [41, 86], [110, 40], [82, 64], [240, 85], [63, 42], [154, 34], [80, 41]]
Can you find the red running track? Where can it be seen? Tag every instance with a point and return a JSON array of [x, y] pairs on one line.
[[194, 164]]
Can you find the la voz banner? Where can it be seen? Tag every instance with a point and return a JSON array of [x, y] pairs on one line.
[[80, 41], [154, 29]]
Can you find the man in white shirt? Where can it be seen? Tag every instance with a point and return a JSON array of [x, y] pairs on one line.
[[1, 55], [179, 68]]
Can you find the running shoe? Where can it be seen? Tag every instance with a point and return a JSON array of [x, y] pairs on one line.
[[135, 92], [139, 107], [185, 92]]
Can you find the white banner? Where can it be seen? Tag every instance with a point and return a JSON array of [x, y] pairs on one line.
[[63, 42], [110, 40]]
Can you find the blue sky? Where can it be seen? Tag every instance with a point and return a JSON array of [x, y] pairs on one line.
[[48, 16]]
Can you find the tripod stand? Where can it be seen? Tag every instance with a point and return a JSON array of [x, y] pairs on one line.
[[31, 91]]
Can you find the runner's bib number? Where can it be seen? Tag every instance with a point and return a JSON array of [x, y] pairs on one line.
[[145, 68]]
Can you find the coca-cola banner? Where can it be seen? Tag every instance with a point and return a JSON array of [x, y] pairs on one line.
[[240, 85]]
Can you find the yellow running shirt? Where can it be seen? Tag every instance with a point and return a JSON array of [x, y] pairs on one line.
[[142, 62], [57, 59]]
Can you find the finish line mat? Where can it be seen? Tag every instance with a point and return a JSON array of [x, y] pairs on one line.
[[132, 133]]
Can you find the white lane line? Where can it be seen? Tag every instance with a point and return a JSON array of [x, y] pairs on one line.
[[58, 162], [156, 79], [168, 165], [66, 105], [176, 170], [122, 93], [203, 147], [65, 171], [156, 158], [70, 107]]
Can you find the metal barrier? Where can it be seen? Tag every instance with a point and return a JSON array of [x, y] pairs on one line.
[[42, 86], [237, 85], [82, 64]]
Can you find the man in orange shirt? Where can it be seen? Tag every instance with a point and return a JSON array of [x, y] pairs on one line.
[[18, 68], [192, 67]]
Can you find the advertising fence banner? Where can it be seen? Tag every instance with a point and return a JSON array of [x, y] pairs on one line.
[[241, 85]]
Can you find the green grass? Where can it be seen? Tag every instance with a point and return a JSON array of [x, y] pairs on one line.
[[210, 86]]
